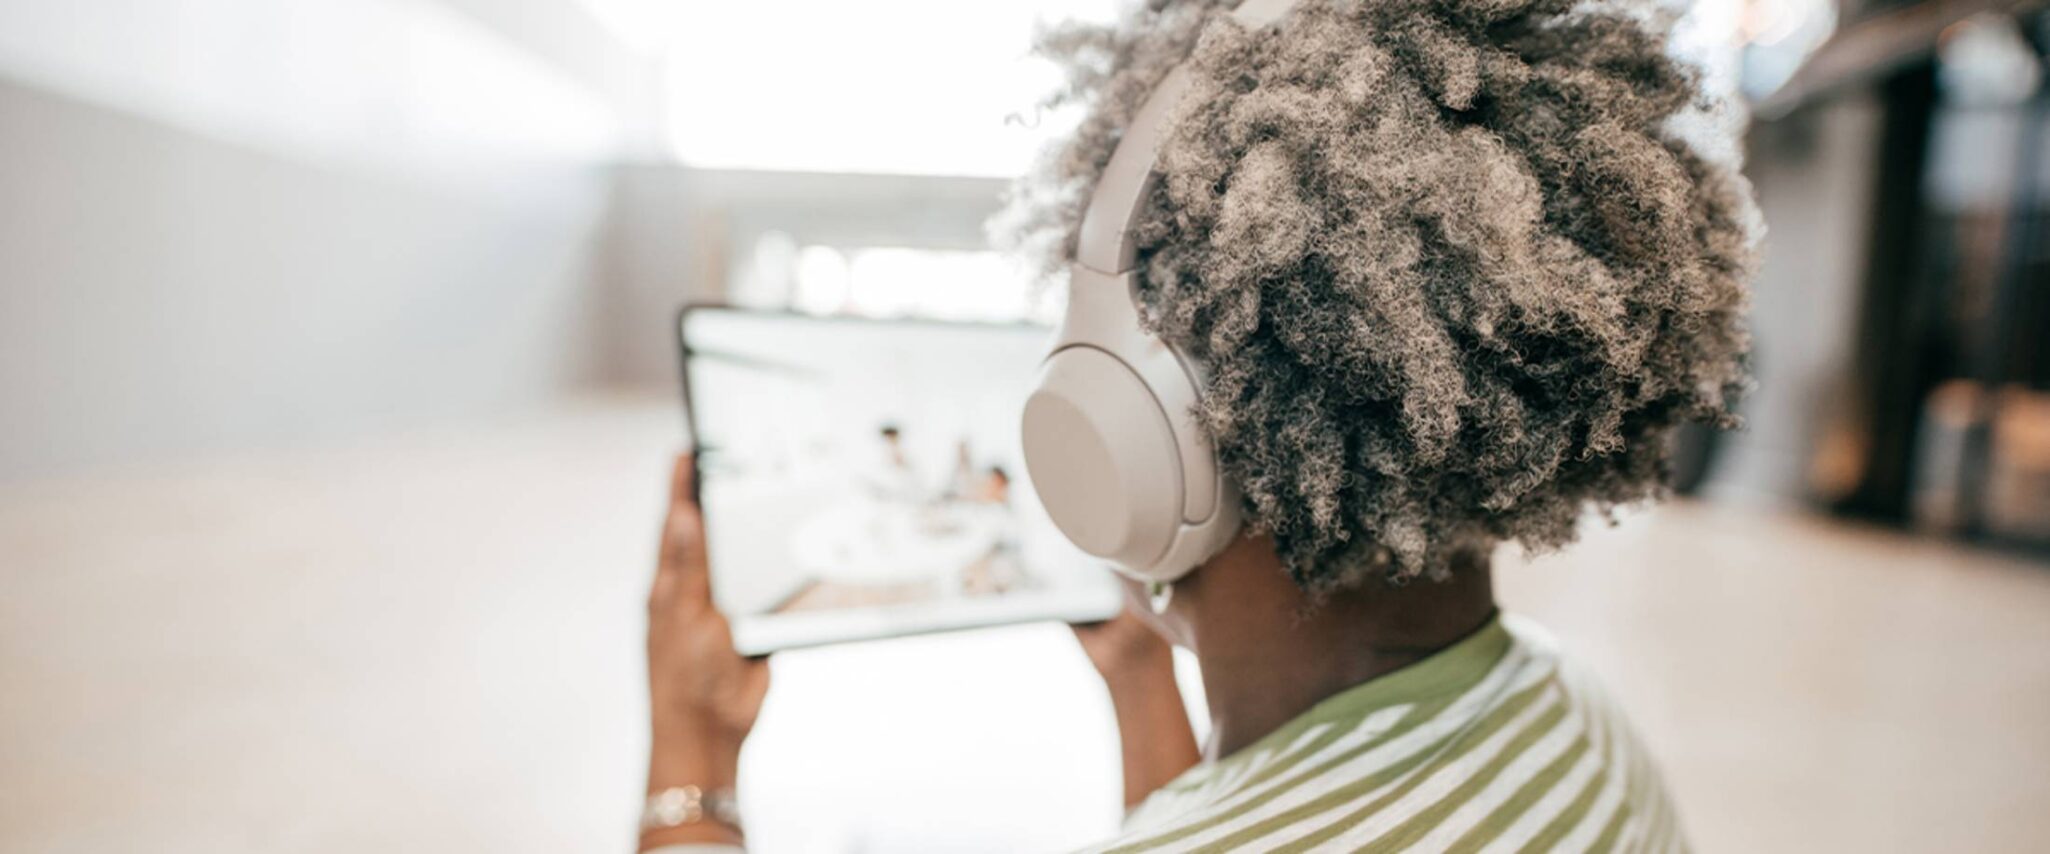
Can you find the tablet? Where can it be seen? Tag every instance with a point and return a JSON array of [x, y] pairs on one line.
[[864, 479]]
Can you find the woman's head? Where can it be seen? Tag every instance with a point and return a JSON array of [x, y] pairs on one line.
[[1453, 273]]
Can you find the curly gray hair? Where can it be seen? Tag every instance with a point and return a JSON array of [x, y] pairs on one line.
[[1455, 276]]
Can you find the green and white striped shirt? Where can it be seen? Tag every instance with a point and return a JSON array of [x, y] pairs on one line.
[[1492, 745]]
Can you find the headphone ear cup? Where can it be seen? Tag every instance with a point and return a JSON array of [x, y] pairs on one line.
[[1103, 457]]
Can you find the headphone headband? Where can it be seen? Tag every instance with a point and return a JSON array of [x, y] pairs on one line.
[[1110, 433], [1105, 243]]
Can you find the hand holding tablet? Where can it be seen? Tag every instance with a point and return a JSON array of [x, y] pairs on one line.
[[704, 695]]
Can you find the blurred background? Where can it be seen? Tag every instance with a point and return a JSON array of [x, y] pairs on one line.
[[337, 393]]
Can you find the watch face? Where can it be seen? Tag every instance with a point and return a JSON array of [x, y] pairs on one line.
[[675, 808]]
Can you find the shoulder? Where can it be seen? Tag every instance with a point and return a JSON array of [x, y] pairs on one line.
[[1530, 752]]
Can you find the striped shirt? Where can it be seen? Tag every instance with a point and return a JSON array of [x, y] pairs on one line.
[[1491, 745]]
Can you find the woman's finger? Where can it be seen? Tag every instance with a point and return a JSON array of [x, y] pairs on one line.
[[679, 471], [755, 678], [683, 539]]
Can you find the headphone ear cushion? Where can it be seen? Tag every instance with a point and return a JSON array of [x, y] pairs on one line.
[[1103, 457]]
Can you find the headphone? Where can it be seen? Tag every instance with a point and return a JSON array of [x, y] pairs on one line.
[[1110, 434]]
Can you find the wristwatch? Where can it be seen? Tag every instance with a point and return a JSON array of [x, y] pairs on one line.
[[681, 805]]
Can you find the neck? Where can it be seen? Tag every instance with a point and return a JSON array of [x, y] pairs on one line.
[[1268, 656]]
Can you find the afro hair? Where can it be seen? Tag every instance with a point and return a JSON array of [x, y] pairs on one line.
[[1454, 270]]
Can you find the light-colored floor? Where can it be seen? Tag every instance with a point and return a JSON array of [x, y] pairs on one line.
[[430, 642]]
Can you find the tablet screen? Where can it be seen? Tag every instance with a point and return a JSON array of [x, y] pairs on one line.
[[864, 478]]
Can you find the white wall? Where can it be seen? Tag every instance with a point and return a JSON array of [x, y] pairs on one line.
[[677, 234], [227, 223]]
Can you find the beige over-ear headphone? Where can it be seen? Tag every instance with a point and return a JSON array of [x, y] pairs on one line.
[[1110, 434]]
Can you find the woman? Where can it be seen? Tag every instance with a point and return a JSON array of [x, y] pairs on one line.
[[1456, 276]]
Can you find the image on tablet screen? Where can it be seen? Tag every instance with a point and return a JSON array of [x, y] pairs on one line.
[[865, 478]]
